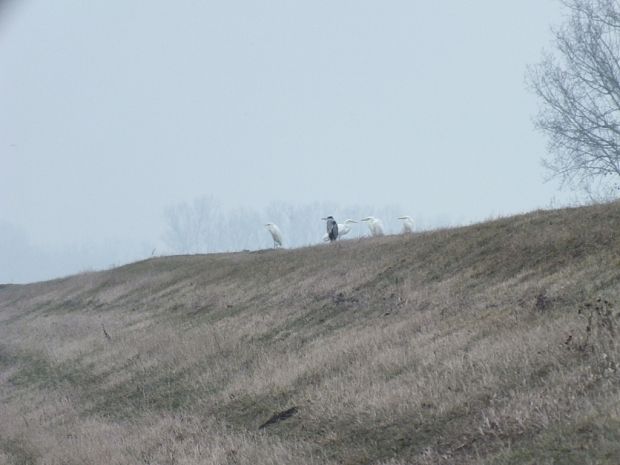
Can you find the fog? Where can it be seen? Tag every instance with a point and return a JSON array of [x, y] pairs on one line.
[[114, 114]]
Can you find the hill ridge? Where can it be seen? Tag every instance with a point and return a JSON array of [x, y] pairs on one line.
[[489, 343]]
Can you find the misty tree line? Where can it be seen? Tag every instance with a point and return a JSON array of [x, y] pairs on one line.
[[22, 260], [204, 225]]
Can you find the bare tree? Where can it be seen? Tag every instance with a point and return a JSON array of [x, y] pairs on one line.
[[579, 89], [193, 227]]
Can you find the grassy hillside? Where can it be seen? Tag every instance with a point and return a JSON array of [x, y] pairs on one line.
[[495, 343]]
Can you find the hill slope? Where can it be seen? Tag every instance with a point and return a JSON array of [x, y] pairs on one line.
[[493, 343]]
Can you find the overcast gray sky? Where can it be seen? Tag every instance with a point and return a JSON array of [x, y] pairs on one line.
[[110, 110]]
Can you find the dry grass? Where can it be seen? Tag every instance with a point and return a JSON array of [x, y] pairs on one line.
[[494, 343]]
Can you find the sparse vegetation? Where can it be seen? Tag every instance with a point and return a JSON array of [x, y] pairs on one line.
[[488, 344]]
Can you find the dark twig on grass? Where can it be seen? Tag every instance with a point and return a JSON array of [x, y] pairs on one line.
[[105, 333], [278, 417]]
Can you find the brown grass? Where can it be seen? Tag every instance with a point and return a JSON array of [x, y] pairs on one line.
[[494, 343]]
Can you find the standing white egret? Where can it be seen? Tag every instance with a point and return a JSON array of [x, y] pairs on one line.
[[343, 229], [332, 228], [374, 225], [407, 224], [276, 234]]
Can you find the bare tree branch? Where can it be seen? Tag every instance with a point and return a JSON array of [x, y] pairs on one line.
[[579, 90]]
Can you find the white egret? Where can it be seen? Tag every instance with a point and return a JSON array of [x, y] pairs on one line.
[[374, 225], [343, 229], [407, 224], [332, 228], [276, 234]]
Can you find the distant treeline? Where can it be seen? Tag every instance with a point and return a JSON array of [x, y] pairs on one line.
[[204, 225]]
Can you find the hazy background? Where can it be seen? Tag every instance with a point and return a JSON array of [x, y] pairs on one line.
[[114, 114]]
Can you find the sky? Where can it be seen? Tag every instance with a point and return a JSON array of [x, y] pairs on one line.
[[112, 111]]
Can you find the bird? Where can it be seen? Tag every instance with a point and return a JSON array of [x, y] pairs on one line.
[[332, 228], [276, 234], [407, 224], [343, 229], [374, 225]]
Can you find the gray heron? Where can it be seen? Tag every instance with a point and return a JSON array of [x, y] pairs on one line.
[[343, 229], [332, 228]]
